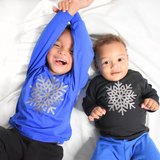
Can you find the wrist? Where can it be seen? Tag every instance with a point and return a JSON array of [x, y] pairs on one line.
[[73, 9]]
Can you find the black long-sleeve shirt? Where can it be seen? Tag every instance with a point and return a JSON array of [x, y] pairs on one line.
[[124, 118]]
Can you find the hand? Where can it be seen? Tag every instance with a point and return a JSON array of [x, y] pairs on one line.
[[76, 5], [72, 5], [62, 5], [96, 113], [150, 104], [79, 4]]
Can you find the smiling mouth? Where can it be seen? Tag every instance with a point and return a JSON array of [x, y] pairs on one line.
[[115, 73], [61, 61]]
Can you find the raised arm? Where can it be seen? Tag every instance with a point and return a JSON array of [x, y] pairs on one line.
[[47, 38], [82, 52], [82, 49]]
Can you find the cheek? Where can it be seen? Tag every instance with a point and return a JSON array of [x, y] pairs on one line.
[[50, 55], [126, 66], [71, 60], [47, 57], [104, 71]]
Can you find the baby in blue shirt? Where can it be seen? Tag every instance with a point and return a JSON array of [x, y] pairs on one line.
[[54, 77]]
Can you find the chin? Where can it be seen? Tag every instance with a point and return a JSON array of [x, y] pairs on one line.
[[115, 79]]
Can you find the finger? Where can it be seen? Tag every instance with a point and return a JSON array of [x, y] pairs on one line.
[[97, 112], [95, 115], [154, 106], [150, 104], [67, 5], [101, 111], [157, 106], [145, 104], [60, 5], [55, 9], [146, 108], [146, 101], [91, 118], [63, 7]]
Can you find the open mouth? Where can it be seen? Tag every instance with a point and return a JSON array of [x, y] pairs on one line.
[[61, 61]]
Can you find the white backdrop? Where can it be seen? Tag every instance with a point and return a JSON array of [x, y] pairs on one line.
[[22, 21]]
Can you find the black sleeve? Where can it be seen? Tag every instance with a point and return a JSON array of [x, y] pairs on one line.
[[89, 102], [149, 92]]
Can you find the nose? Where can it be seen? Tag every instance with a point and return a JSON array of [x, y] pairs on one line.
[[114, 66], [63, 52]]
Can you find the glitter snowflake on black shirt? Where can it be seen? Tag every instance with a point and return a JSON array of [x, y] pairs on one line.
[[120, 97]]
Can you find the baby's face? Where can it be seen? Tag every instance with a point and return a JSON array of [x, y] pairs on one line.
[[112, 61], [60, 56]]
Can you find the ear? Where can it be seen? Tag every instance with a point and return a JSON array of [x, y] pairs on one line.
[[128, 59], [96, 65]]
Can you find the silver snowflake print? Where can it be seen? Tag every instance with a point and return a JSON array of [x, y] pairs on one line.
[[120, 97], [45, 94]]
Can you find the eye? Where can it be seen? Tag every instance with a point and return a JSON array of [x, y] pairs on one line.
[[71, 51], [56, 45], [120, 59], [106, 62]]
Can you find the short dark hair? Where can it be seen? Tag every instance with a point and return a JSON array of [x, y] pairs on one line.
[[68, 27], [107, 39]]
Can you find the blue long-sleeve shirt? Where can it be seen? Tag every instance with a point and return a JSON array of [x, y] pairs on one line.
[[46, 101]]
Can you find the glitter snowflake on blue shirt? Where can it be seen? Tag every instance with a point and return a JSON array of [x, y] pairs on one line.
[[45, 94]]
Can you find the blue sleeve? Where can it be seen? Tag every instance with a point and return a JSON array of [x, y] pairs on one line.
[[82, 52], [46, 40]]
